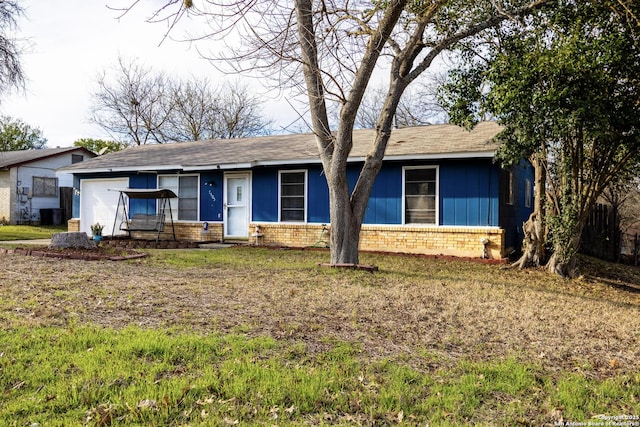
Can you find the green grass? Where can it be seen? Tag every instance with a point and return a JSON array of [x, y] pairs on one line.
[[93, 376], [268, 365], [29, 232]]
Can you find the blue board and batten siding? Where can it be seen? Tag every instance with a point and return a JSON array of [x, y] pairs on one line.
[[513, 215], [468, 194]]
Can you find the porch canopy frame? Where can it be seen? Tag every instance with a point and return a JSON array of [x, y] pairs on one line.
[[164, 195]]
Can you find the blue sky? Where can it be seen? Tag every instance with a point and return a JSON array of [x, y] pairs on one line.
[[71, 41]]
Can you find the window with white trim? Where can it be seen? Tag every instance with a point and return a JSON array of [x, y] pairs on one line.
[[528, 194], [185, 207], [509, 190], [293, 196], [420, 195]]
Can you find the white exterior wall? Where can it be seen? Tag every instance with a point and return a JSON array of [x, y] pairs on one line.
[[39, 168]]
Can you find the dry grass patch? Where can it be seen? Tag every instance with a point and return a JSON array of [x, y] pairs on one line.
[[411, 308]]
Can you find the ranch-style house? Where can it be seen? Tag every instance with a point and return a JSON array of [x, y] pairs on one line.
[[440, 191]]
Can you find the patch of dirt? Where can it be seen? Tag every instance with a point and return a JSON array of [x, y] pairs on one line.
[[100, 253], [426, 312]]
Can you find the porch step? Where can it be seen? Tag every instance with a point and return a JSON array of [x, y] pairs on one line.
[[215, 245]]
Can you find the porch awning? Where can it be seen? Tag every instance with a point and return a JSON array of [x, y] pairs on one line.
[[143, 193]]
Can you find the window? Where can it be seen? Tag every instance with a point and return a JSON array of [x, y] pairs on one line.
[[528, 194], [420, 195], [509, 196], [76, 158], [185, 207], [293, 196], [45, 186]]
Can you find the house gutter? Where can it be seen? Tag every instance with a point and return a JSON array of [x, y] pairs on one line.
[[296, 162], [141, 169], [490, 154]]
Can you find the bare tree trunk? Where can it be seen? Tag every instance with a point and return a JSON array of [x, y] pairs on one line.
[[534, 229], [534, 242], [565, 267], [345, 230], [346, 218]]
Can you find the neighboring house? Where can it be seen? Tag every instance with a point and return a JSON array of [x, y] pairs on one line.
[[440, 191], [29, 183]]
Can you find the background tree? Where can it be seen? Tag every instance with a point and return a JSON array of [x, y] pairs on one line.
[[238, 114], [330, 50], [193, 105], [130, 103], [11, 72], [567, 92], [17, 135], [415, 108], [136, 104], [201, 112], [99, 146]]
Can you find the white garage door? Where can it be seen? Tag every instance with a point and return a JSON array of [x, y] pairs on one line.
[[98, 203]]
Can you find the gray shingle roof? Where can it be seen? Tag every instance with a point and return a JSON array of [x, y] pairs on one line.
[[435, 141], [10, 159]]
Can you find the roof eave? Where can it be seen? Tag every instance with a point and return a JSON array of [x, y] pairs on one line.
[[220, 166], [141, 169], [489, 154]]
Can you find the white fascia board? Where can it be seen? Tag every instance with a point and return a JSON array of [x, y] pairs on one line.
[[444, 156], [222, 166], [405, 157], [145, 169], [292, 162]]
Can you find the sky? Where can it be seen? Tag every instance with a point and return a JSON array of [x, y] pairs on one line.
[[72, 41]]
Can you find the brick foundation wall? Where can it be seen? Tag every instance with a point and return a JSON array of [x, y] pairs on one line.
[[73, 225], [189, 231], [192, 231], [456, 241]]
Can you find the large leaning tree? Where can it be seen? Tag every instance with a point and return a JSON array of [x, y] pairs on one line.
[[567, 91], [329, 50]]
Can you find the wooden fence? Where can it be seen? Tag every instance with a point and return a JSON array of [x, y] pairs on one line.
[[602, 237]]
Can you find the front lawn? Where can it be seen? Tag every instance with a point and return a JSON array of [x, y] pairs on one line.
[[254, 336], [29, 232]]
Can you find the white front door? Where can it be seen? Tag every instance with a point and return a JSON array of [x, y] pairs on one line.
[[237, 205]]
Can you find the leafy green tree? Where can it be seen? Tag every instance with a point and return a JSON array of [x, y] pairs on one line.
[[17, 135], [567, 92], [99, 146]]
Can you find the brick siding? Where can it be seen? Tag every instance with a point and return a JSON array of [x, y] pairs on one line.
[[455, 241]]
